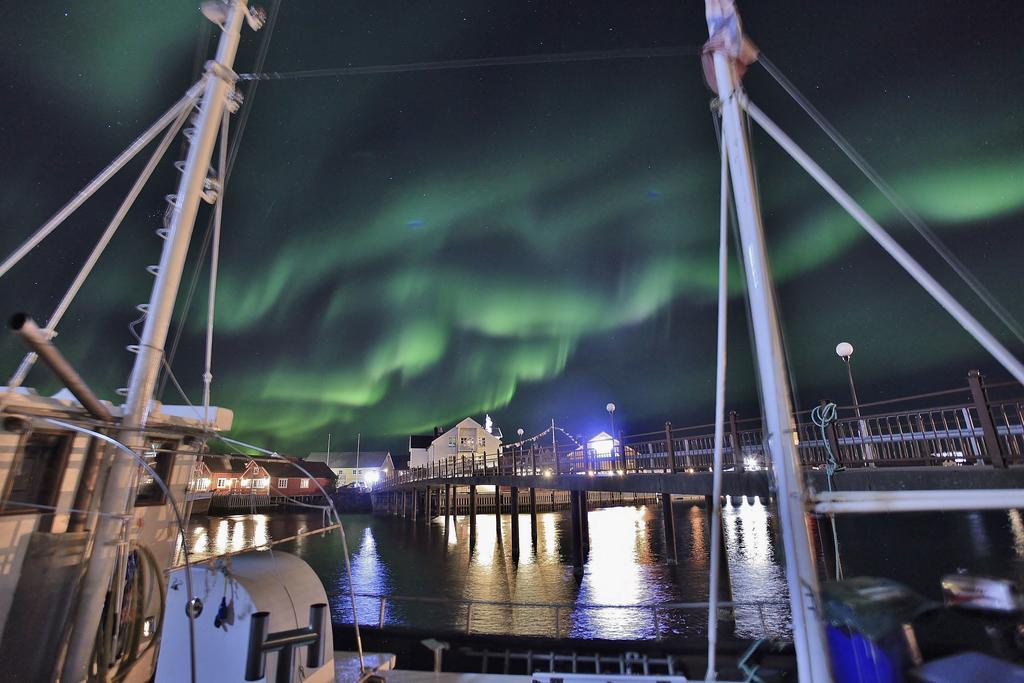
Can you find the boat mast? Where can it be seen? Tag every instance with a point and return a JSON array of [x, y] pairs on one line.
[[726, 44], [118, 493]]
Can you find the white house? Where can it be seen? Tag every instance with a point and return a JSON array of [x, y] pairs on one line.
[[361, 468], [464, 439]]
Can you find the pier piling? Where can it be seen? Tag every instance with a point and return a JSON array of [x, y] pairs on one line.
[[669, 521], [585, 519], [533, 516], [447, 504], [472, 515], [497, 513], [513, 518], [577, 533]]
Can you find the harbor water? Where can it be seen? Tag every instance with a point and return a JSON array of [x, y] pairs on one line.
[[428, 575]]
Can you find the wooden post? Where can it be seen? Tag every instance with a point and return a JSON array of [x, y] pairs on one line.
[[585, 519], [988, 427], [497, 513], [670, 451], [415, 503], [513, 518], [737, 446], [472, 514], [577, 532], [447, 504], [405, 503], [533, 515], [669, 522]]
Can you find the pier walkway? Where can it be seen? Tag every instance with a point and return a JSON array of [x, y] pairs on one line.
[[970, 437]]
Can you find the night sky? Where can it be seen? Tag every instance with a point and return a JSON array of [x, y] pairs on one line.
[[532, 241]]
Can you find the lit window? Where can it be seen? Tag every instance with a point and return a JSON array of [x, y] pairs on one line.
[[245, 483], [304, 484], [222, 483], [261, 483], [282, 483]]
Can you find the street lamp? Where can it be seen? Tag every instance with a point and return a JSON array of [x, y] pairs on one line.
[[611, 416], [845, 351], [520, 433]]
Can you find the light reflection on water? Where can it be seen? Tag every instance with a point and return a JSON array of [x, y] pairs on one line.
[[625, 564]]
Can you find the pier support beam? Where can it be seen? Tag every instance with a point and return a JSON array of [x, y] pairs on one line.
[[513, 518], [405, 503], [669, 520], [447, 505], [577, 533], [472, 515], [533, 516], [585, 519], [497, 513], [415, 504]]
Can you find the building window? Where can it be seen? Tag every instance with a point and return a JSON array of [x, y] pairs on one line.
[[282, 483], [159, 455], [245, 483], [304, 484], [261, 483], [222, 483], [37, 471], [451, 441]]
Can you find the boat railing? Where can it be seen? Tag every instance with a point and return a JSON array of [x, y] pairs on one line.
[[658, 616]]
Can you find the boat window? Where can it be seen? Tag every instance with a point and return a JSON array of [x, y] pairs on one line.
[[159, 455], [35, 476]]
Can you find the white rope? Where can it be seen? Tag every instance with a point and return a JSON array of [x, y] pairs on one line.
[[720, 358]]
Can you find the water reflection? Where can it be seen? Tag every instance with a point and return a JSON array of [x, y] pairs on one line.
[[625, 564]]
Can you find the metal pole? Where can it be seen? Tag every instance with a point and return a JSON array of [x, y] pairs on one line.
[[118, 494], [801, 574], [878, 233], [715, 501], [853, 389]]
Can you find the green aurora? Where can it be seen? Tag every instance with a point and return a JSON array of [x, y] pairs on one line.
[[403, 250]]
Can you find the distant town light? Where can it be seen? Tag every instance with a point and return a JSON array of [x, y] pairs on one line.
[[750, 464], [547, 473], [372, 477]]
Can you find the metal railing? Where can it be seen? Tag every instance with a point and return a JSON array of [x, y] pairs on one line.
[[955, 427], [659, 617]]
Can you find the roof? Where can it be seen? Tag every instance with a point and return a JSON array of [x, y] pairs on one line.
[[420, 440], [221, 464], [347, 459], [318, 470]]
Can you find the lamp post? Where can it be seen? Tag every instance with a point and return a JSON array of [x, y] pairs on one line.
[[611, 416], [845, 351], [520, 433]]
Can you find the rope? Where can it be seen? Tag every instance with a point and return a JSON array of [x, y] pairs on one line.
[[962, 271], [476, 63], [823, 416]]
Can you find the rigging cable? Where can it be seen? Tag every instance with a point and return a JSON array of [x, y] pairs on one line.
[[901, 206], [476, 63], [243, 118]]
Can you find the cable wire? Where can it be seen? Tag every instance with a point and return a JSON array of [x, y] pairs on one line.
[[933, 240], [476, 63]]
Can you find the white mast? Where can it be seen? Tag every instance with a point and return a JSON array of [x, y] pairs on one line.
[[779, 430], [118, 494]]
